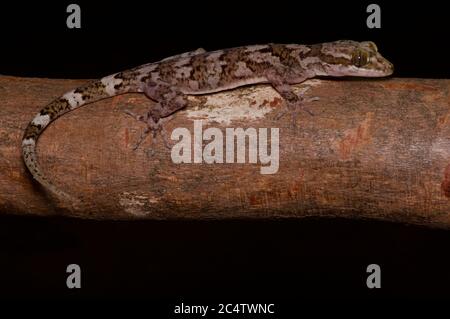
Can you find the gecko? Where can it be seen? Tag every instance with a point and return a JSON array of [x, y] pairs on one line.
[[169, 82]]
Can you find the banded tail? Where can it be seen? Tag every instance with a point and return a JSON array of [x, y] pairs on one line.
[[97, 90]]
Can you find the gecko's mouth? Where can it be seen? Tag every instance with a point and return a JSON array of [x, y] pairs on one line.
[[341, 71], [376, 73], [382, 66], [378, 68]]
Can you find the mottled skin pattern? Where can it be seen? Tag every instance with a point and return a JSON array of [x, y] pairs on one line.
[[169, 81]]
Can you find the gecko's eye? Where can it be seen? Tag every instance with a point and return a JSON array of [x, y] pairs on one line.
[[359, 58]]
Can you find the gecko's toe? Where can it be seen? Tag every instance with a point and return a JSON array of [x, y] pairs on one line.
[[137, 117], [280, 113], [307, 110], [313, 99]]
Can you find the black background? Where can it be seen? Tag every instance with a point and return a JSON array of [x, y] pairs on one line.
[[283, 261]]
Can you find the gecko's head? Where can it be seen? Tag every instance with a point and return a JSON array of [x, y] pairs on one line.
[[351, 58]]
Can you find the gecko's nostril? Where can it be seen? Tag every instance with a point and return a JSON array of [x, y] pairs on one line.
[[391, 67]]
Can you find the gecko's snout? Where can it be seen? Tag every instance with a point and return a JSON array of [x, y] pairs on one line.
[[390, 67], [384, 65]]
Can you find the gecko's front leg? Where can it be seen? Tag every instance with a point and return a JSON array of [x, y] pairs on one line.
[[168, 100], [294, 103]]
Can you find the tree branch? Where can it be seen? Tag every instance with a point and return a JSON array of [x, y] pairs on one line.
[[373, 149]]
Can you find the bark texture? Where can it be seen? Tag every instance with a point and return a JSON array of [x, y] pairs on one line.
[[377, 149]]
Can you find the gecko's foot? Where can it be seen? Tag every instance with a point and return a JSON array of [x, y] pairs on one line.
[[292, 110], [295, 108], [153, 127]]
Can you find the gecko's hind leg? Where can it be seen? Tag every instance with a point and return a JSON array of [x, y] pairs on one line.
[[169, 100], [153, 127], [158, 128]]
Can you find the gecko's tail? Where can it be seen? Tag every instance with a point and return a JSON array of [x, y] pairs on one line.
[[92, 92], [30, 159]]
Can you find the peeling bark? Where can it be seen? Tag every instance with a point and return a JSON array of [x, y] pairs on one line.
[[377, 149]]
